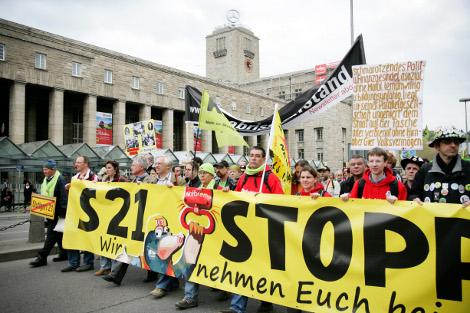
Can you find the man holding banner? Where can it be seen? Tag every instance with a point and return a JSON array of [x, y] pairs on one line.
[[52, 186], [447, 178], [257, 176]]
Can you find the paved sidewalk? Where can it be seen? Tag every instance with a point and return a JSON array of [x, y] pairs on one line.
[[18, 247]]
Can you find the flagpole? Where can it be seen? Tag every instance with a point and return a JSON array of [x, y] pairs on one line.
[[267, 148]]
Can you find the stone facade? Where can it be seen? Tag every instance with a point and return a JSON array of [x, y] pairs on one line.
[[142, 89]]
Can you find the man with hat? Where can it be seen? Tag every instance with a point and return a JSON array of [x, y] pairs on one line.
[[447, 178], [52, 186], [223, 179], [411, 166]]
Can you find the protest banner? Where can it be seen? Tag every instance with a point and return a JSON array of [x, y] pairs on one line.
[[321, 255], [334, 88], [387, 106], [43, 206], [104, 128], [140, 137]]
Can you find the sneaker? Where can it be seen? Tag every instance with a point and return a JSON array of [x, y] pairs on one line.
[[69, 269], [228, 311], [186, 304], [37, 262], [265, 307], [158, 293], [60, 258], [223, 295], [102, 272], [84, 268]]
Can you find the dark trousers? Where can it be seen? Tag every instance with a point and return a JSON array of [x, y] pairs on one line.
[[52, 237]]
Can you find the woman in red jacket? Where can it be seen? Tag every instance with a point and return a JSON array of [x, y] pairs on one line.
[[309, 185]]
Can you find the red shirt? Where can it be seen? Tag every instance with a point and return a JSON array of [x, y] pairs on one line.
[[253, 182], [378, 190], [316, 189]]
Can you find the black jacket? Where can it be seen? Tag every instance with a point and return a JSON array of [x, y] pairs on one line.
[[61, 198], [432, 184], [346, 185]]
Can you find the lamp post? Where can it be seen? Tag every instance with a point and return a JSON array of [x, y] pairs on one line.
[[351, 12], [464, 100]]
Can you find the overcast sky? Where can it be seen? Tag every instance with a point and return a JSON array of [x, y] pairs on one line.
[[294, 35]]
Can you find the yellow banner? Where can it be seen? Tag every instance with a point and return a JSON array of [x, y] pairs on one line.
[[43, 205], [320, 255], [281, 164]]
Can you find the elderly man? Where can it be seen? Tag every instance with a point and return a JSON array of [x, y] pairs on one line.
[[52, 186], [447, 178], [82, 166], [411, 167], [165, 175], [138, 169], [357, 166]]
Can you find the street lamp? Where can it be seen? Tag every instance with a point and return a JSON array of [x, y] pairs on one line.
[[464, 100]]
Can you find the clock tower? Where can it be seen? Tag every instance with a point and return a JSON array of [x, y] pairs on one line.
[[232, 52]]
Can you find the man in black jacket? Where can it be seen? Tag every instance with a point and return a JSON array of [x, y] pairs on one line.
[[53, 186], [357, 166], [447, 178]]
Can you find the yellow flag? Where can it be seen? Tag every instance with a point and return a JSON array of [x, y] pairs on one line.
[[211, 118], [281, 164]]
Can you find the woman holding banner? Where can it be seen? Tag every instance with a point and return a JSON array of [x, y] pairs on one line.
[[309, 185], [111, 176]]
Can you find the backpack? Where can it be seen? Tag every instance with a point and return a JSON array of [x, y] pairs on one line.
[[393, 187], [265, 181]]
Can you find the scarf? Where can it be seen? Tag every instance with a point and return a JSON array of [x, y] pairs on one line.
[[48, 186], [210, 185], [253, 171], [446, 168]]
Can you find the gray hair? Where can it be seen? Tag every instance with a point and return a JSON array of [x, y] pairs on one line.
[[149, 157], [165, 159], [141, 160]]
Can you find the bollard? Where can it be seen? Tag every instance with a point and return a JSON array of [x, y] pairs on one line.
[[36, 229]]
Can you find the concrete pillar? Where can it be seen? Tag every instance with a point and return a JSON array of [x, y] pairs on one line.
[[36, 229], [188, 142], [239, 150], [207, 141], [144, 112], [252, 141], [56, 116], [168, 128], [17, 112], [89, 120], [119, 119]]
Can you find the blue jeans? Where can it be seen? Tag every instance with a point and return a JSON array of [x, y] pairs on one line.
[[105, 263], [74, 258], [239, 303], [191, 290], [167, 283]]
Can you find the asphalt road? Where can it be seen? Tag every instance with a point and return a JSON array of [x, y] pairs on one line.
[[46, 289]]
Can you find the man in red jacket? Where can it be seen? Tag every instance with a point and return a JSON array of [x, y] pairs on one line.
[[251, 181], [378, 181]]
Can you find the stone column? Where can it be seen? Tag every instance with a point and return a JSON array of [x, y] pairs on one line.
[[89, 120], [56, 117], [144, 112], [252, 141], [207, 141], [17, 112], [119, 119], [188, 139], [168, 128]]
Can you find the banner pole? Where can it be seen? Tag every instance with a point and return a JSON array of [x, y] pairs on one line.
[[267, 147]]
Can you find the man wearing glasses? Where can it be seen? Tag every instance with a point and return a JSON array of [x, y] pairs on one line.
[[447, 178]]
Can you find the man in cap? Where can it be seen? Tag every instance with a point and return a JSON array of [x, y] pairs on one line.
[[52, 186], [411, 167], [447, 178], [223, 179]]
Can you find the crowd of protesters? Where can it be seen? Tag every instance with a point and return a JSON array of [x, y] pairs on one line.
[[444, 179]]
